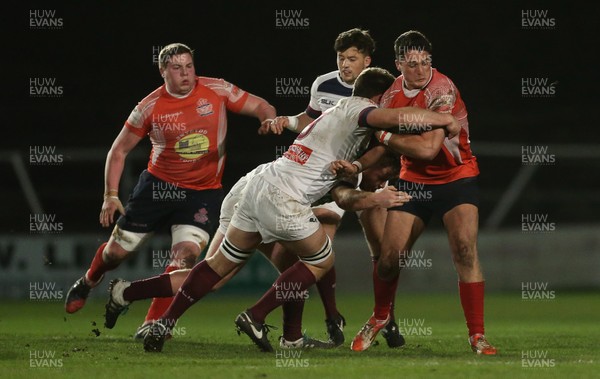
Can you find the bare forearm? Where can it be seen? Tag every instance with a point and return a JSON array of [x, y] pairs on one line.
[[424, 146], [353, 200], [369, 158], [113, 169], [420, 118], [258, 107]]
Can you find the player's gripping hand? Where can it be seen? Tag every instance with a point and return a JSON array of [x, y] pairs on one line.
[[110, 205], [265, 127], [280, 123], [453, 129], [389, 197], [343, 169]]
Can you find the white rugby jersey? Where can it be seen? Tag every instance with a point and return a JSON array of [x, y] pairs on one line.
[[325, 92], [340, 132]]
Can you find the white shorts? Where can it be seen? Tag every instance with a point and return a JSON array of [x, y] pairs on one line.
[[228, 204], [332, 206], [274, 214]]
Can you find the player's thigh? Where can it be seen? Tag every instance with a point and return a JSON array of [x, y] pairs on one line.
[[123, 242], [188, 241], [280, 257], [462, 226], [329, 214], [236, 248], [314, 250], [373, 224], [215, 243], [401, 231]]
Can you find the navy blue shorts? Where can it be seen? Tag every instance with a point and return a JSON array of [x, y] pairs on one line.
[[155, 204], [430, 199]]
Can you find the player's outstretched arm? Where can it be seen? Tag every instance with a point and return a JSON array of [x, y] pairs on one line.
[[386, 118], [261, 109], [293, 123], [351, 199], [113, 169]]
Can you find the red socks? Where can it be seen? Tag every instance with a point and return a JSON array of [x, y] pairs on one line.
[[98, 266], [385, 293], [471, 299]]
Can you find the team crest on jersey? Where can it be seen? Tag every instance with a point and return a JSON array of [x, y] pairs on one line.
[[201, 216], [204, 107], [298, 153]]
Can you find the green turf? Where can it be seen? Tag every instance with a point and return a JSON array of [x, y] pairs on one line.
[[562, 333]]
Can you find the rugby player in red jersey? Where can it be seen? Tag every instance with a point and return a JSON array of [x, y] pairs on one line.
[[186, 121], [443, 183]]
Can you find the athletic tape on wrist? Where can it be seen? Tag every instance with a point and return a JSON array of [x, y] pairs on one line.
[[384, 137], [292, 123], [358, 166]]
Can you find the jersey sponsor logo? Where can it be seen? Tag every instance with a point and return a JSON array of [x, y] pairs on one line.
[[192, 146], [298, 153], [204, 107]]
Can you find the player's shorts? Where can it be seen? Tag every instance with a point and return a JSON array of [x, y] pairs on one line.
[[430, 199], [154, 204], [265, 209], [228, 206], [331, 206]]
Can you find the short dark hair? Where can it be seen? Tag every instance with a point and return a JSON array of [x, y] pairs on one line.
[[372, 81], [361, 39], [411, 40], [167, 52]]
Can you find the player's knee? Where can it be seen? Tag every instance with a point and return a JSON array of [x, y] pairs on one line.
[[188, 242], [113, 252], [122, 243], [321, 257], [464, 253], [388, 267], [185, 254]]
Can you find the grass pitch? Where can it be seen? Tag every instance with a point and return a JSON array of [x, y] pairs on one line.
[[547, 339]]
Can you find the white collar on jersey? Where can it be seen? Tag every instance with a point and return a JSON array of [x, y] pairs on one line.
[[410, 93], [339, 78]]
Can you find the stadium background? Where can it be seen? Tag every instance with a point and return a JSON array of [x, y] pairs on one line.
[[102, 61]]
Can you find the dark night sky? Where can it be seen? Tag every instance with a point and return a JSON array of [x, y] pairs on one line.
[[102, 56]]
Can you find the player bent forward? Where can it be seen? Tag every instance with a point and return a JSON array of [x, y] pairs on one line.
[[285, 190], [345, 194]]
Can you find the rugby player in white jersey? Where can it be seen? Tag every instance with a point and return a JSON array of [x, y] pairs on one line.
[[285, 190], [354, 49]]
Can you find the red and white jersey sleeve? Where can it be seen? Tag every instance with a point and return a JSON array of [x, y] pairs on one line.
[[188, 134], [455, 159]]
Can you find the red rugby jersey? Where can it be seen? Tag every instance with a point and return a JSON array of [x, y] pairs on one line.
[[455, 159], [188, 134]]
